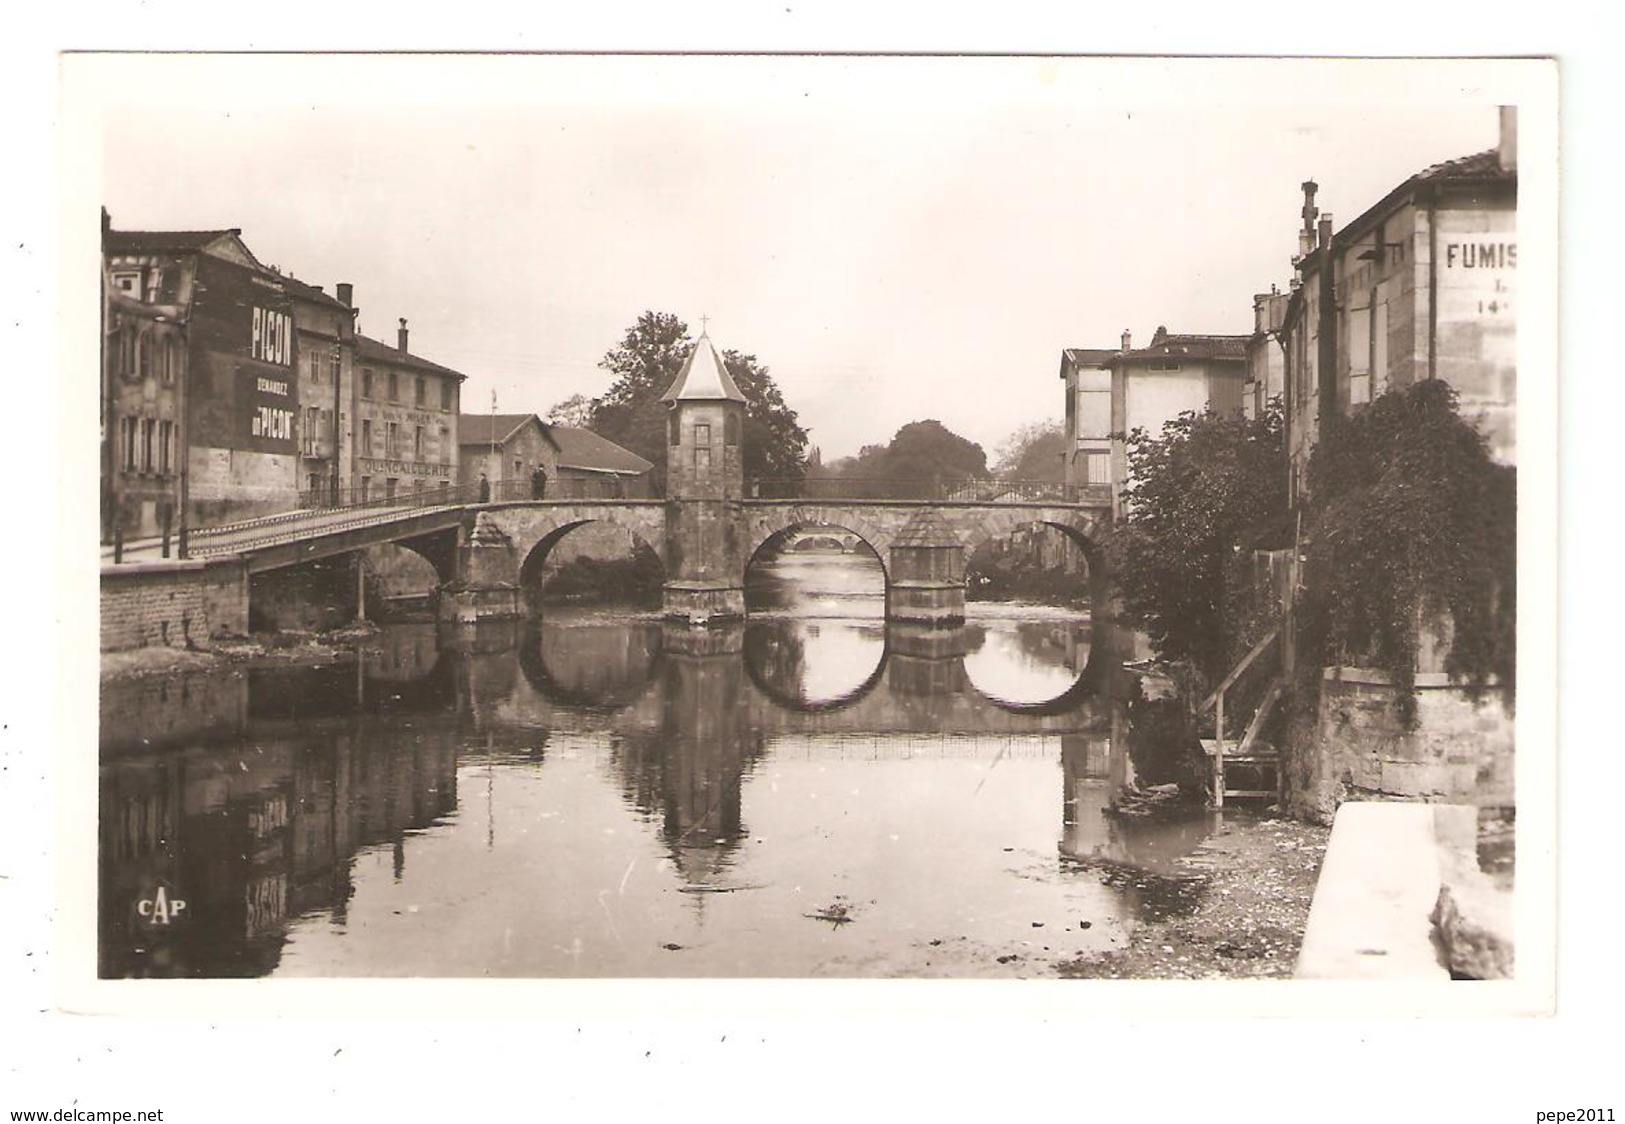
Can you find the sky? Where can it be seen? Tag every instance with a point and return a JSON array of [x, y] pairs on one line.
[[896, 239]]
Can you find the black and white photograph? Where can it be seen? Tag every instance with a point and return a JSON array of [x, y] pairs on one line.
[[578, 529], [636, 531]]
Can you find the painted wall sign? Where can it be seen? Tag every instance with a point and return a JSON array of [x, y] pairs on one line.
[[245, 396], [271, 336]]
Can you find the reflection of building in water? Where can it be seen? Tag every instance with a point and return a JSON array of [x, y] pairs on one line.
[[1092, 833], [689, 772], [258, 827]]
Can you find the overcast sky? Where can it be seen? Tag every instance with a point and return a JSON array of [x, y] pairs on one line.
[[896, 239]]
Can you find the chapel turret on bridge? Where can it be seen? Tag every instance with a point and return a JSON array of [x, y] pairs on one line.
[[705, 482]]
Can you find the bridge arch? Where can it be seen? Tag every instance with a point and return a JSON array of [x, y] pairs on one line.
[[759, 654], [765, 523], [1089, 683], [595, 668], [531, 531], [984, 524]]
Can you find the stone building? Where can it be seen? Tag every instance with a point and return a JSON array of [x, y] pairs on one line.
[[506, 449], [1266, 361], [578, 463], [1110, 394], [324, 330], [235, 397], [142, 407], [1088, 451], [1421, 285], [405, 429]]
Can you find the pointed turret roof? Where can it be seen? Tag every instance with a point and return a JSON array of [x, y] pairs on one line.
[[704, 375]]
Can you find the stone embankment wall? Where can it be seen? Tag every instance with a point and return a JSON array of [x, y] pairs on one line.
[[1353, 746], [172, 604]]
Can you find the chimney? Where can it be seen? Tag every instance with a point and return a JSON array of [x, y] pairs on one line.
[[1128, 342], [1325, 231], [1507, 151], [346, 293], [400, 338]]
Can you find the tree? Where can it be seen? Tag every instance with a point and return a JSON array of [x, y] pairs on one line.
[[1034, 452], [1204, 492], [775, 445], [1412, 530], [575, 411], [646, 363], [922, 458]]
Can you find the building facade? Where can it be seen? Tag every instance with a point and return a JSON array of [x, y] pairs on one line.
[[1422, 285], [324, 329], [405, 429], [236, 397], [508, 449], [1088, 451]]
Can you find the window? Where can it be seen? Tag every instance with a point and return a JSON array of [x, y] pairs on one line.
[[128, 282], [366, 485], [389, 487], [417, 486], [394, 387], [417, 445], [146, 370], [166, 445], [1097, 468], [148, 425], [730, 429], [127, 435], [702, 434], [518, 468], [366, 437], [418, 391], [126, 353], [392, 440], [366, 383], [702, 458], [445, 394], [172, 359], [333, 364], [1359, 322], [445, 445]]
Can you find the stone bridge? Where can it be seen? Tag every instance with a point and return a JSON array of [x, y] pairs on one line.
[[922, 546]]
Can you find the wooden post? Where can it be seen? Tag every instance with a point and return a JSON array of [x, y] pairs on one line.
[[1218, 753], [360, 588]]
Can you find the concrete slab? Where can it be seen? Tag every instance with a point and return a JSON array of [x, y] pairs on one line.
[[1379, 881]]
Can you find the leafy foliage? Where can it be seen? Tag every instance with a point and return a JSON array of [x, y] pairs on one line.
[[645, 364], [920, 457], [775, 445], [575, 410], [1413, 535], [1203, 491], [1034, 452]]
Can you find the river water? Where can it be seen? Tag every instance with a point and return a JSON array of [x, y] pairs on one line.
[[597, 794]]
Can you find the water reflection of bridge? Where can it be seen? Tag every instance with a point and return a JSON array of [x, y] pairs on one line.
[[590, 679], [254, 795]]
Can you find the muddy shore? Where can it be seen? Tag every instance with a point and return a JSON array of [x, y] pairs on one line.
[[282, 649], [1240, 912]]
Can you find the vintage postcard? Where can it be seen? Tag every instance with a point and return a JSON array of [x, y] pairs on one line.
[[572, 518]]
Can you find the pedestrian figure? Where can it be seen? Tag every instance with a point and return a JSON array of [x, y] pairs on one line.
[[538, 483], [485, 489]]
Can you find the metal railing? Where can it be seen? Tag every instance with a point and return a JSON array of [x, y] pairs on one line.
[[934, 489]]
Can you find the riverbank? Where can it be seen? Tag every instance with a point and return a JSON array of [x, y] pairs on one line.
[[281, 649], [1240, 912]]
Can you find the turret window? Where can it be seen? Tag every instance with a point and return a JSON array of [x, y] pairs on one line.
[[702, 458], [702, 434]]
